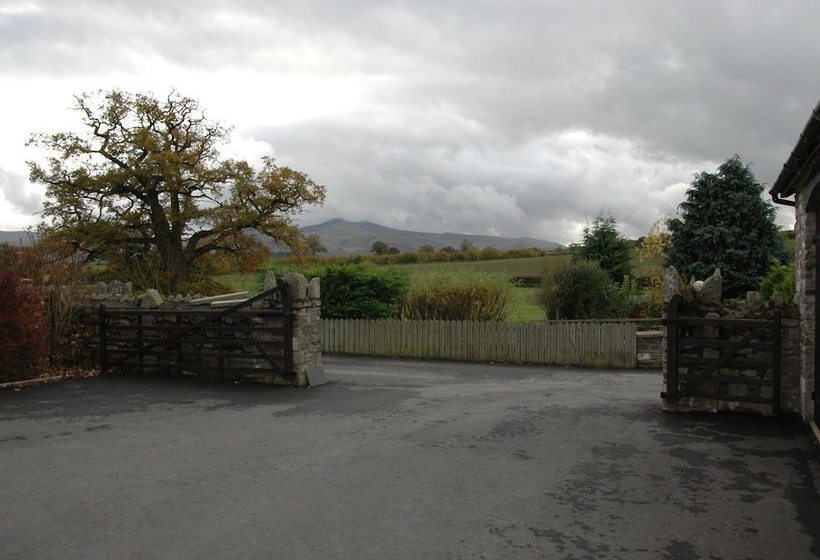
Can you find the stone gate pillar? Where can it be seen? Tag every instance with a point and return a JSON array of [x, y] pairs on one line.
[[306, 341]]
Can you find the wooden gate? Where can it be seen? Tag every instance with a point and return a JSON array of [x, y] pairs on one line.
[[729, 360], [235, 341]]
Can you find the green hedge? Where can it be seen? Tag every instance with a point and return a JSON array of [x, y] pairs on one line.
[[361, 292]]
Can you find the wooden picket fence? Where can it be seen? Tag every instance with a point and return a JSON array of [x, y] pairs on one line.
[[604, 344]]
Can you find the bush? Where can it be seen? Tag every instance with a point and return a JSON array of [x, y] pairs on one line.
[[450, 296], [624, 298], [780, 281], [36, 324], [23, 333], [578, 290], [361, 292]]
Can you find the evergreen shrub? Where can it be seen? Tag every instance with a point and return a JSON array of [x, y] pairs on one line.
[[361, 292]]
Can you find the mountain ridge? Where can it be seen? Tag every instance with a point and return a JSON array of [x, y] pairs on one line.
[[19, 238], [342, 236]]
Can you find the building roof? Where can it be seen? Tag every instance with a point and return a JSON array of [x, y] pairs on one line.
[[804, 156]]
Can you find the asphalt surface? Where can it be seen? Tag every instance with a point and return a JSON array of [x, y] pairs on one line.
[[399, 459]]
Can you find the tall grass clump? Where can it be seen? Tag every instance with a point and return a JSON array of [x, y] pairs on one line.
[[456, 296], [780, 281]]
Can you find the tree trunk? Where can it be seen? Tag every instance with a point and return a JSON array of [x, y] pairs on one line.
[[176, 270], [173, 265]]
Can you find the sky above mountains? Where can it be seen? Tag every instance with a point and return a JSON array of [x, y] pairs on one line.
[[505, 118]]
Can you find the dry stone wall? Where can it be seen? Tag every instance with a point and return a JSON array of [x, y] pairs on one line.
[[704, 299], [649, 349], [304, 342]]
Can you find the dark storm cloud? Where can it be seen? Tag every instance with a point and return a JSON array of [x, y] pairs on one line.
[[506, 117]]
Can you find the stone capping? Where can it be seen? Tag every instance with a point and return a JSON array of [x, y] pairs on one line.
[[649, 334], [237, 296]]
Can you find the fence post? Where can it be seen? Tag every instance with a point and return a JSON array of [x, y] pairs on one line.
[[776, 365], [103, 357], [287, 307], [178, 336], [670, 322], [139, 345]]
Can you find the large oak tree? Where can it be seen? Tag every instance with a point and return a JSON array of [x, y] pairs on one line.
[[146, 177]]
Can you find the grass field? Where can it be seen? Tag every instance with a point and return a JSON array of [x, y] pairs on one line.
[[251, 282], [523, 306], [530, 266]]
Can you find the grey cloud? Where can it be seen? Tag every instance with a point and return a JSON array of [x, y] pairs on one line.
[[480, 184], [19, 193], [467, 102]]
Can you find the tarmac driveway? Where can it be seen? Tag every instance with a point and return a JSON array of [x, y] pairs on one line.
[[399, 459]]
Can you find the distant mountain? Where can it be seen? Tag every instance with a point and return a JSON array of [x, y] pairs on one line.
[[15, 238], [341, 236]]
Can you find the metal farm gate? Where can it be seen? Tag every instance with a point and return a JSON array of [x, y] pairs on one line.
[[729, 360], [235, 341]]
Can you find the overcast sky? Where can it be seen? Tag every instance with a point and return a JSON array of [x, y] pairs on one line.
[[506, 117]]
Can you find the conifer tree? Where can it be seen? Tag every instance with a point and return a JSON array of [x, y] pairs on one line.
[[726, 223]]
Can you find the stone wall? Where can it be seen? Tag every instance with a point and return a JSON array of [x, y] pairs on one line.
[[305, 341], [649, 349], [704, 299], [805, 254], [307, 328]]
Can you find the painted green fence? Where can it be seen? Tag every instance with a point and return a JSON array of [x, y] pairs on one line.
[[577, 343]]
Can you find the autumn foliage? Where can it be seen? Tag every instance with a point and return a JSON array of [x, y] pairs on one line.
[[23, 332], [36, 329], [145, 182]]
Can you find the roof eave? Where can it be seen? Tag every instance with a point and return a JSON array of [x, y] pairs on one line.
[[806, 144]]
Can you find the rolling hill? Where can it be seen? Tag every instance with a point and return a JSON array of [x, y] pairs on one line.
[[342, 236], [15, 238]]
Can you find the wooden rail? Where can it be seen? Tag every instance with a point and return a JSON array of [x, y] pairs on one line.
[[604, 344]]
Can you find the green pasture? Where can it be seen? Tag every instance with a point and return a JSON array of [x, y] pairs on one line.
[[529, 266], [251, 282], [522, 307]]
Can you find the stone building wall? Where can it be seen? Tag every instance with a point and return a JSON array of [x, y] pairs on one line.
[[805, 254]]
